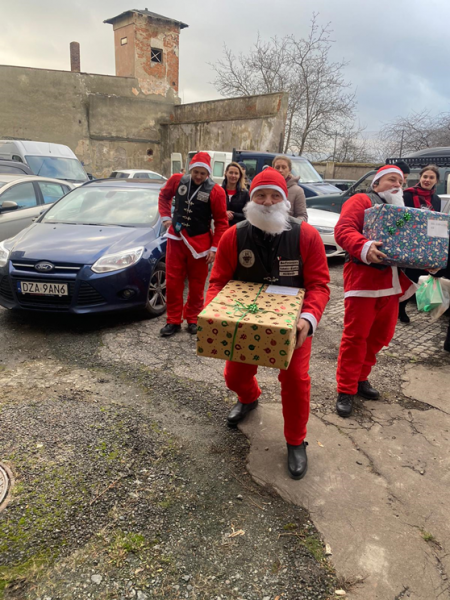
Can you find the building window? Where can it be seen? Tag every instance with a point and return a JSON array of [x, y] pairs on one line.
[[156, 55], [123, 41]]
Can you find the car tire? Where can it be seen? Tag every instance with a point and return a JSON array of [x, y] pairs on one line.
[[156, 295]]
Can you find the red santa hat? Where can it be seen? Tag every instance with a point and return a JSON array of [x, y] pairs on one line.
[[385, 171], [269, 179], [201, 159]]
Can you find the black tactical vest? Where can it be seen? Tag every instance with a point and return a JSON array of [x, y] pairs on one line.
[[285, 266], [193, 214], [375, 199]]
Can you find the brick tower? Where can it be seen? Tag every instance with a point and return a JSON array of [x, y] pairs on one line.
[[147, 47]]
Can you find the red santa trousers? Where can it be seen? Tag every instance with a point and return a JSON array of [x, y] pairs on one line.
[[179, 264], [369, 324], [295, 390]]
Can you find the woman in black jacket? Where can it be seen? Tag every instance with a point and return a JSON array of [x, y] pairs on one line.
[[423, 196], [236, 191]]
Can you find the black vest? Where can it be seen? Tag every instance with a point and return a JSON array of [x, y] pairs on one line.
[[194, 214], [282, 264], [375, 199]]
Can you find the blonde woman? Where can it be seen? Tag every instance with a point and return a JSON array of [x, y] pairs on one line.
[[296, 195], [236, 191]]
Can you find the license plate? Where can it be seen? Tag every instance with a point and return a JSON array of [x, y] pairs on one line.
[[42, 289]]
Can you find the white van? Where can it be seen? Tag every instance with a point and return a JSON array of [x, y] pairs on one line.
[[219, 162], [45, 159]]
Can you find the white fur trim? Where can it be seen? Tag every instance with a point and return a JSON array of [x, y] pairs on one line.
[[200, 164], [364, 252], [166, 218], [410, 291], [193, 252], [174, 237], [311, 318], [393, 291], [269, 187], [385, 172]]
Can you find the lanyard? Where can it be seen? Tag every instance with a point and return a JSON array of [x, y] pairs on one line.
[[189, 191]]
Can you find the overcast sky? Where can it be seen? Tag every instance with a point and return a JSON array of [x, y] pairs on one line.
[[397, 49]]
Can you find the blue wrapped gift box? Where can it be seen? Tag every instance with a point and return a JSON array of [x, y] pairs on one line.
[[414, 238]]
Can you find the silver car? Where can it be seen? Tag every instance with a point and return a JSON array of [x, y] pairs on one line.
[[23, 198]]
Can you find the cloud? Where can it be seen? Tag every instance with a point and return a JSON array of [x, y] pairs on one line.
[[397, 51]]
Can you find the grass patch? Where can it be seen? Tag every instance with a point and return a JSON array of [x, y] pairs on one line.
[[427, 536]]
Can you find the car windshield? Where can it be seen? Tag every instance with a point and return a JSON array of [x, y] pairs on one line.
[[305, 171], [133, 207], [69, 169]]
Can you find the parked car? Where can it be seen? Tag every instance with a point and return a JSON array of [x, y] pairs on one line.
[[23, 198], [98, 249], [14, 168], [437, 156], [342, 184], [325, 222], [309, 179], [219, 162], [137, 174], [45, 159]]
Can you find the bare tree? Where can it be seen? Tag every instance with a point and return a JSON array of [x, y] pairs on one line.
[[349, 145], [416, 131], [320, 100]]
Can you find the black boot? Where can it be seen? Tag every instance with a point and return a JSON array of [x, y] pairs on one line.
[[192, 328], [297, 460], [447, 340], [169, 329], [344, 405], [402, 312], [239, 411], [367, 391]]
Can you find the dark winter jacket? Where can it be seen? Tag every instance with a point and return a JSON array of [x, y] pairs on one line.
[[408, 200], [236, 205]]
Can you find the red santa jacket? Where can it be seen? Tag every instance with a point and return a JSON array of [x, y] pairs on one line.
[[361, 279], [315, 271], [199, 245]]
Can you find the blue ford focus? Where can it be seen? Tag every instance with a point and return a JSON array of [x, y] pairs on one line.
[[99, 248]]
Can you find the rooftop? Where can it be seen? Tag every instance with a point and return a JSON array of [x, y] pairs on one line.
[[146, 13]]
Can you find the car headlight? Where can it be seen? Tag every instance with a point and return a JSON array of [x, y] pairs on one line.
[[4, 255], [320, 229], [117, 261]]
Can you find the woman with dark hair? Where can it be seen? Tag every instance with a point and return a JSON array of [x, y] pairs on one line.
[[423, 196], [236, 191]]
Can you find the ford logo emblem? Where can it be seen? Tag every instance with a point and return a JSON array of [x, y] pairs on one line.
[[44, 267]]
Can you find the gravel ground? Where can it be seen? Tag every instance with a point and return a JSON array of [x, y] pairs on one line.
[[128, 484]]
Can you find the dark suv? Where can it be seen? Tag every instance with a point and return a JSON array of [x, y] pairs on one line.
[[309, 179], [436, 156], [14, 167]]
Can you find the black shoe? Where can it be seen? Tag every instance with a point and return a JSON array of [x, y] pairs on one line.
[[192, 328], [344, 405], [169, 329], [402, 312], [367, 391], [297, 460], [239, 411]]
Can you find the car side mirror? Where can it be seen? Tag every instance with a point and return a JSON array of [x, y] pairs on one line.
[[9, 205]]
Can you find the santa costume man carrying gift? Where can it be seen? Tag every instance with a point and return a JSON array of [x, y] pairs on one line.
[[272, 247], [191, 245], [371, 291]]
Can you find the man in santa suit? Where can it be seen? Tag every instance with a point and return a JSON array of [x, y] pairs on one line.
[[271, 247], [191, 245], [371, 291]]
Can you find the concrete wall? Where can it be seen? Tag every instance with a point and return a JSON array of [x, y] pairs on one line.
[[332, 170], [247, 123], [111, 124]]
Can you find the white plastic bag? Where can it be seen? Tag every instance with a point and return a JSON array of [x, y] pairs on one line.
[[440, 310]]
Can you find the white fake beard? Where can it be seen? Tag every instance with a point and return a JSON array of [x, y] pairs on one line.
[[271, 219], [393, 196]]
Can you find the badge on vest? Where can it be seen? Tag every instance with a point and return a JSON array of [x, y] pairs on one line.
[[203, 196], [247, 258], [178, 227], [182, 190], [289, 268]]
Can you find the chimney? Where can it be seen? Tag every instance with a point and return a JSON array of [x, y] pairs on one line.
[[75, 57]]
